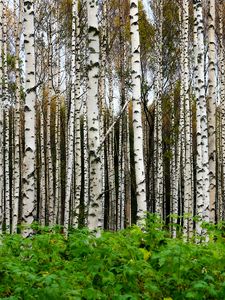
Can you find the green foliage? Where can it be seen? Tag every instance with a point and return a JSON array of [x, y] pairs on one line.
[[131, 264]]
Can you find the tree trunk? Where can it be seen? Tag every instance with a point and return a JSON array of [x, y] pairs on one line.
[[137, 120], [1, 126], [202, 208], [212, 83], [28, 209], [188, 197], [95, 202]]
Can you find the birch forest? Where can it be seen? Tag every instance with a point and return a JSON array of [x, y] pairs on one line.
[[112, 149], [109, 110]]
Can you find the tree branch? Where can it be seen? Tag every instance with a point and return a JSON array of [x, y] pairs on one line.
[[113, 124]]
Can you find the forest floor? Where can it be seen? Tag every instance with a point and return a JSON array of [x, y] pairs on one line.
[[131, 264]]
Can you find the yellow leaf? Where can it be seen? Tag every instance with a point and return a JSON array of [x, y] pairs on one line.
[[146, 253]]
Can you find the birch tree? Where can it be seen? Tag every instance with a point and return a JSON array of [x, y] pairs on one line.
[[212, 106], [78, 159], [202, 208], [28, 209], [71, 123], [137, 118], [222, 99], [5, 93], [1, 125], [188, 198], [159, 206], [95, 174], [17, 130]]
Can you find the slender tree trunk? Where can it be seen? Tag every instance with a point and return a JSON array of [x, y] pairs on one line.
[[43, 192], [188, 197], [16, 166], [71, 124], [6, 124], [202, 209], [84, 62], [78, 168], [222, 99], [102, 101], [174, 174], [159, 205], [57, 212], [50, 199], [28, 209], [212, 107], [137, 121], [95, 204], [1, 125], [111, 155]]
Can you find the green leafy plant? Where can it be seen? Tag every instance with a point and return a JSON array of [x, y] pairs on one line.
[[131, 264]]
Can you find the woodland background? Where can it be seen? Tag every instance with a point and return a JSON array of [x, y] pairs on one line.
[[107, 113]]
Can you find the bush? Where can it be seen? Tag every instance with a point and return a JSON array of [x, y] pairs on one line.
[[130, 264]]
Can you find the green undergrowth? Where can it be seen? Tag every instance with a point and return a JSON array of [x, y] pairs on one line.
[[131, 264]]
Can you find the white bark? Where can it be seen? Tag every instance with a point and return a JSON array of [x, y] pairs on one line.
[[222, 100], [84, 49], [127, 170], [78, 169], [50, 198], [43, 187], [1, 127], [188, 197], [6, 124], [159, 205], [28, 209], [174, 170], [121, 190], [111, 152], [202, 209], [95, 204], [137, 120], [71, 124], [16, 166], [212, 106], [102, 100], [57, 212]]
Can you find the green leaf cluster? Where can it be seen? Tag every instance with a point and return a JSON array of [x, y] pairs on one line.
[[132, 264]]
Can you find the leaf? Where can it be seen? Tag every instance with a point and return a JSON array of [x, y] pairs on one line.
[[146, 254]]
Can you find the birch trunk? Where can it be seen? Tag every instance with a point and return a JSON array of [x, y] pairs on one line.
[[212, 107], [43, 192], [111, 169], [111, 136], [222, 99], [159, 205], [188, 197], [28, 209], [102, 100], [57, 210], [50, 199], [6, 124], [78, 168], [84, 60], [1, 125], [127, 171], [16, 166], [71, 123], [95, 204], [137, 120], [202, 209], [174, 170]]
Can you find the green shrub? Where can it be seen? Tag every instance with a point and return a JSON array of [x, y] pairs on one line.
[[131, 264]]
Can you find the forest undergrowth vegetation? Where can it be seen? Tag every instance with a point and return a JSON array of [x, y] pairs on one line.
[[130, 264]]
